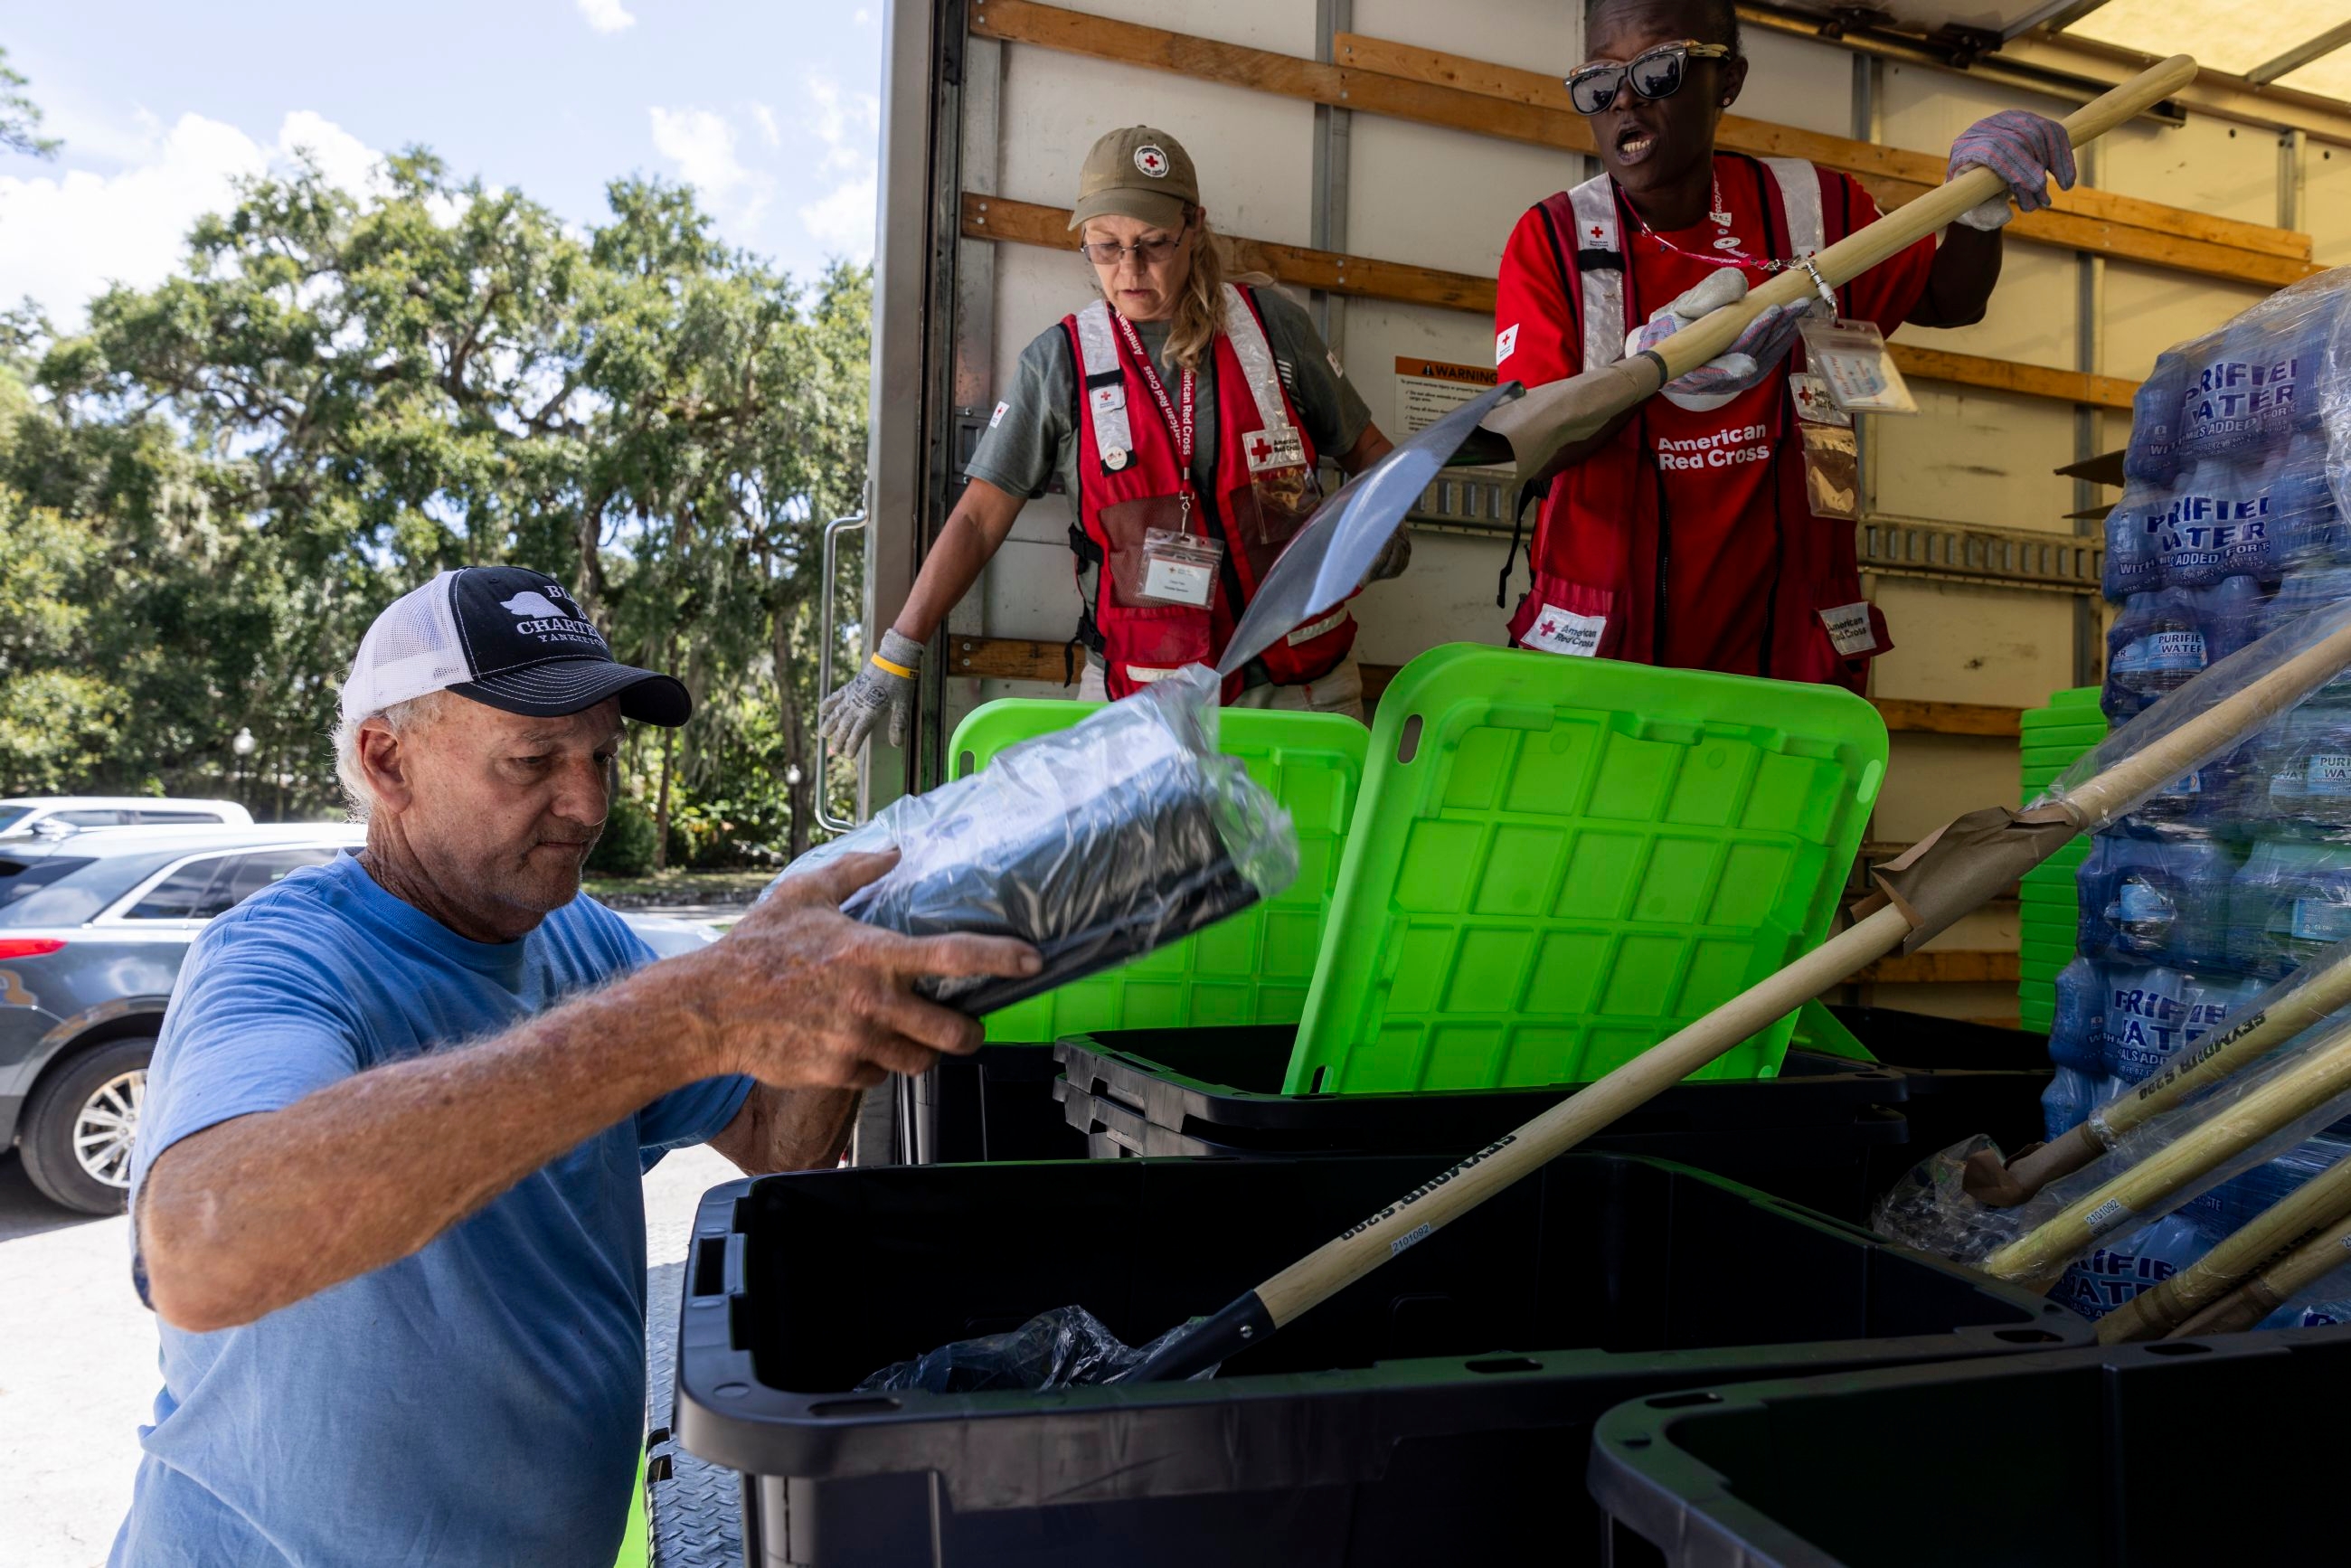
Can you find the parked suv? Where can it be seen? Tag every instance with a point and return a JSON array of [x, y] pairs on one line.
[[23, 816], [93, 927]]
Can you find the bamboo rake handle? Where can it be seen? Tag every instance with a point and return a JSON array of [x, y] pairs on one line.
[[2135, 1195], [1856, 253], [2321, 1201], [2206, 1063], [1349, 1257], [2271, 1289]]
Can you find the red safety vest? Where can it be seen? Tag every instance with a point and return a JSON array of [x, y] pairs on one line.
[[1599, 555], [1129, 477]]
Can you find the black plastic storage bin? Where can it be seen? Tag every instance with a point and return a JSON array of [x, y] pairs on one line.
[[997, 1103], [1961, 1078], [1436, 1412], [1814, 1134], [2168, 1455]]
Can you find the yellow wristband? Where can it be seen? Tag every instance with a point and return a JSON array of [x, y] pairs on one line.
[[901, 671]]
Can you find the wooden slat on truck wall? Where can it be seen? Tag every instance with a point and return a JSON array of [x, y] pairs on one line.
[[1032, 222], [1427, 103], [1736, 134]]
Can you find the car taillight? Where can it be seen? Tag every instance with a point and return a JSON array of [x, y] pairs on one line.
[[28, 947]]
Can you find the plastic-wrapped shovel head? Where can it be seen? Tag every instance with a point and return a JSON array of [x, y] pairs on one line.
[[1096, 843], [1329, 557], [1059, 1349]]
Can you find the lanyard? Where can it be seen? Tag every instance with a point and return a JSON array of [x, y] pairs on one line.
[[1179, 426], [1721, 219]]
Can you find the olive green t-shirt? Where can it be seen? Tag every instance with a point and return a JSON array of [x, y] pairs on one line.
[[1033, 434]]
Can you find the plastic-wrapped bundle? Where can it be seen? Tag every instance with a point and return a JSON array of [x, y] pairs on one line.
[[2134, 562], [2258, 378], [2245, 1120], [2152, 1014], [2155, 647], [1095, 843], [2220, 1212], [2291, 902], [2302, 593], [1059, 1349], [2116, 1270], [2301, 777]]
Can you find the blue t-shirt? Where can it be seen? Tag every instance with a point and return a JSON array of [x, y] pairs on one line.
[[480, 1402]]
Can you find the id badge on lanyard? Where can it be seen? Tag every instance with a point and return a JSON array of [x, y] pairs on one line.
[[1179, 566]]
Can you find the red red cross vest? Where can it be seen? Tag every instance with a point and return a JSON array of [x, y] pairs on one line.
[[1598, 560], [1262, 489]]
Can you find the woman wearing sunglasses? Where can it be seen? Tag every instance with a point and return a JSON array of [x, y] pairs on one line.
[[1183, 415], [1682, 534]]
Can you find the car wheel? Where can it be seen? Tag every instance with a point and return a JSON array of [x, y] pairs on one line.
[[78, 1130]]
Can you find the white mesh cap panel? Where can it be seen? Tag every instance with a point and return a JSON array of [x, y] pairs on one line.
[[412, 649]]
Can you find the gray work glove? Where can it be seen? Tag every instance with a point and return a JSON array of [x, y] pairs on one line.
[[1394, 556], [849, 714]]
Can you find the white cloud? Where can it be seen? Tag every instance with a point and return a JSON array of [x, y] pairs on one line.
[[702, 145], [862, 16], [766, 119], [64, 237], [848, 125], [843, 220], [606, 16]]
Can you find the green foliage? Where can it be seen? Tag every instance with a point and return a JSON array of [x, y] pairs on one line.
[[20, 117], [626, 848], [206, 497]]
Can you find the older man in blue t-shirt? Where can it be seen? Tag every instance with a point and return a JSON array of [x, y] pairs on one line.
[[386, 1197]]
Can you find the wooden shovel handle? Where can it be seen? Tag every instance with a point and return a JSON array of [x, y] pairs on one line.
[[1910, 223]]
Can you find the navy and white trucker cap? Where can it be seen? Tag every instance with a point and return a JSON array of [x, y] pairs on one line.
[[506, 637]]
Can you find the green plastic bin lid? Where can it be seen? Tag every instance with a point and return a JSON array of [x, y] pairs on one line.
[[1250, 968], [2076, 705], [1558, 862]]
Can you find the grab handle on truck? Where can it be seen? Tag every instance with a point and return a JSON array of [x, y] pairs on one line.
[[826, 589]]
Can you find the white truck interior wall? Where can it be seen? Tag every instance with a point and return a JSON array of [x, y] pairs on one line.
[[1447, 199]]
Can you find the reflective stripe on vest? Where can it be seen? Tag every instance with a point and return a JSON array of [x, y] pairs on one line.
[[1105, 385], [1603, 289], [1256, 356]]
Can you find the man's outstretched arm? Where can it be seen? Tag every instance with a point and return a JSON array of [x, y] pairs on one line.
[[260, 1211]]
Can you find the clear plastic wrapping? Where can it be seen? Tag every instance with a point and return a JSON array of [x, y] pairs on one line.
[[2264, 1111], [1096, 843], [1059, 1349]]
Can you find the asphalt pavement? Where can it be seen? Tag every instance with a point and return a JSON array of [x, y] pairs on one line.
[[77, 1360]]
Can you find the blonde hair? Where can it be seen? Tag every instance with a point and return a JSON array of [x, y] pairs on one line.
[[1200, 310]]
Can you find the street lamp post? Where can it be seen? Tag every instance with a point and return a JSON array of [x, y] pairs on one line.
[[243, 746]]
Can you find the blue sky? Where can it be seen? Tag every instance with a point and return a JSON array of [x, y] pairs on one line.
[[770, 110]]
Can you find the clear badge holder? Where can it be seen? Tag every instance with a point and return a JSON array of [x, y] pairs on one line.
[[1179, 568], [1852, 360]]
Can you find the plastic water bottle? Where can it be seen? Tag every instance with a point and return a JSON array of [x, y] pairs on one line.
[[2207, 396], [2155, 419], [2191, 524], [2155, 647], [2303, 592], [2134, 562], [2285, 349], [2077, 1027], [2304, 764], [2147, 1017], [2067, 1103], [2120, 1267], [2307, 529], [2163, 899], [2291, 902], [2226, 1207]]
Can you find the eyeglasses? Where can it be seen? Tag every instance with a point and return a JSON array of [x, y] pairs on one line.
[[1149, 252], [1654, 73]]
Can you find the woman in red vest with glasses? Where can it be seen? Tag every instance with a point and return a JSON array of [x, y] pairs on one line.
[[1183, 415], [1682, 534]]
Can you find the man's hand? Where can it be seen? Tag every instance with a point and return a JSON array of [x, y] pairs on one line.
[[799, 996]]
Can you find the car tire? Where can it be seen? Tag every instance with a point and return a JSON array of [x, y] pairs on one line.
[[89, 1096]]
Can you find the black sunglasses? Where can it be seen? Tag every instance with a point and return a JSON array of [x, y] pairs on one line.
[[1654, 73]]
